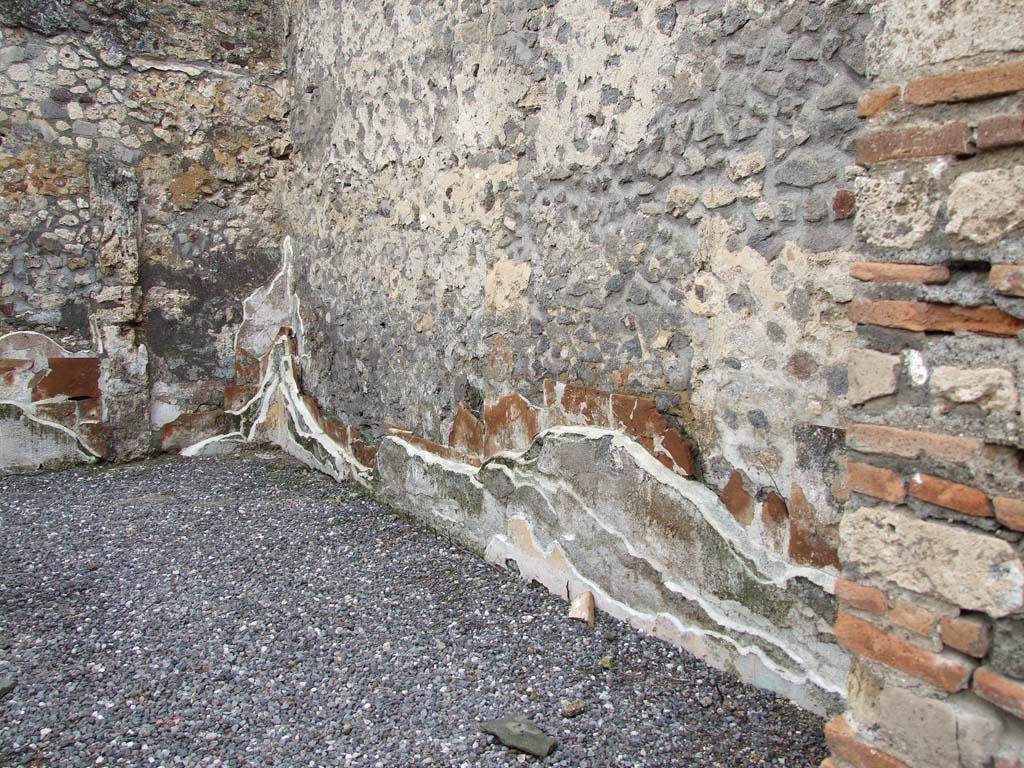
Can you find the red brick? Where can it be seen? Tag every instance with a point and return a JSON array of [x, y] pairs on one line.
[[511, 424], [968, 634], [467, 435], [1009, 512], [911, 444], [962, 86], [877, 272], [811, 542], [1007, 279], [1001, 131], [737, 500], [844, 203], [910, 143], [861, 597], [71, 377], [1001, 691], [875, 482], [877, 101], [846, 746], [942, 493], [948, 673], [913, 618], [923, 316]]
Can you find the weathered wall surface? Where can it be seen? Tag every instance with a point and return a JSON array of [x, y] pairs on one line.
[[931, 600], [649, 198], [137, 182], [627, 216], [580, 508], [625, 295]]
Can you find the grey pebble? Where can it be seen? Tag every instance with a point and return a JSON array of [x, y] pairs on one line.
[[249, 611]]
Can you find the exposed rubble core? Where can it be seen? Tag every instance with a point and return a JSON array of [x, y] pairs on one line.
[[712, 309]]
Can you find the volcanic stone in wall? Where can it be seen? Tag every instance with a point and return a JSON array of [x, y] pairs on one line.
[[233, 31]]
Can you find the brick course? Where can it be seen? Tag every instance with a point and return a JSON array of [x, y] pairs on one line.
[[876, 482], [961, 498], [1009, 512], [844, 743], [970, 635], [911, 143], [879, 272], [1000, 131], [1001, 691], [962, 86], [878, 101], [948, 673], [924, 316], [911, 444], [861, 597]]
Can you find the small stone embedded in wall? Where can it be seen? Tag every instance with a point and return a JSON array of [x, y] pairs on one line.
[[991, 389], [871, 375], [984, 206]]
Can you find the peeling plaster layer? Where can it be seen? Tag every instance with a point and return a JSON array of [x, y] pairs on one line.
[[581, 508], [278, 414], [28, 442], [587, 508]]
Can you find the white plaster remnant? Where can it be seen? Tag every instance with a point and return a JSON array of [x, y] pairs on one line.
[[278, 414], [916, 368], [584, 507], [30, 442]]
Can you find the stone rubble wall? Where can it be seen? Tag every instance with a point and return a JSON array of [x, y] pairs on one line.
[[711, 307], [606, 509], [641, 198], [625, 201], [140, 152]]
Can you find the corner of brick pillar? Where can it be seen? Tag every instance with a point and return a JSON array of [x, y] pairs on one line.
[[931, 596]]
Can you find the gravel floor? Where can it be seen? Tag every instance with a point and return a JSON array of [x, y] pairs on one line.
[[230, 612]]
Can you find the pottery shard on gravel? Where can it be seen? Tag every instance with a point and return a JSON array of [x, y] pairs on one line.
[[582, 608], [519, 732]]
